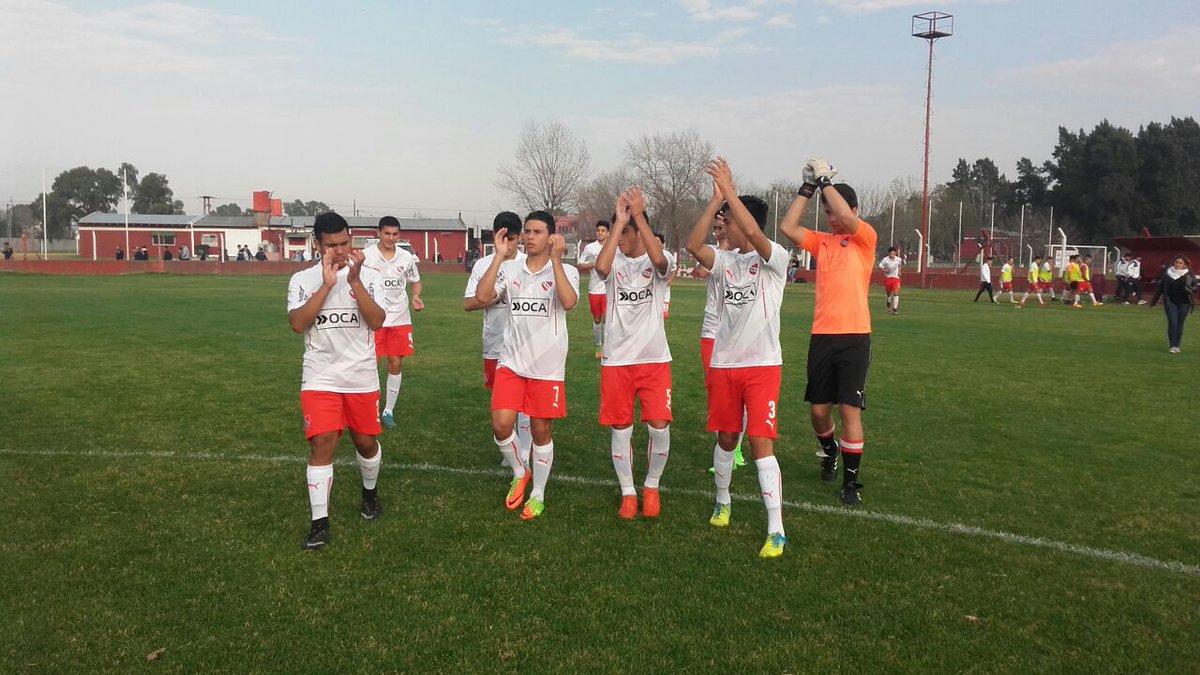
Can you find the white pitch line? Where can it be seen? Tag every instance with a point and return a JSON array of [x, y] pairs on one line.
[[1109, 555]]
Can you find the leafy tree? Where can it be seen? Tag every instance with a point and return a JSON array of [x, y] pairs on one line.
[[309, 208], [1095, 181], [1167, 177], [229, 209], [154, 195]]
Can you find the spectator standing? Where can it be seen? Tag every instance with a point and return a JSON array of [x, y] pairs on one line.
[[1177, 288]]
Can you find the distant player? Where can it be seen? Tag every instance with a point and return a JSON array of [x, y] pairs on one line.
[[890, 264], [1134, 279], [1035, 284], [839, 351], [1072, 278], [495, 320], [746, 366], [674, 262], [335, 304], [1047, 278], [394, 341], [637, 362], [1085, 282], [596, 292], [985, 279], [531, 371], [708, 328], [1006, 280]]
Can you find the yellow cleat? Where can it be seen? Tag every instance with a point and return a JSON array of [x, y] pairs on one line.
[[773, 548], [720, 516]]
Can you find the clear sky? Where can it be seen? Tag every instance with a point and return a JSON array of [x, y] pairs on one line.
[[407, 106]]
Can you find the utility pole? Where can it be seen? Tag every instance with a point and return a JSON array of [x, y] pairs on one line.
[[931, 27]]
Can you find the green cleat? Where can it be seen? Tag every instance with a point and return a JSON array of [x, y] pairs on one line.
[[738, 459], [773, 548], [720, 516], [388, 420], [533, 509]]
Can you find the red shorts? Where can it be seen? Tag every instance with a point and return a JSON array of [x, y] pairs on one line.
[[649, 383], [489, 373], [543, 399], [755, 389], [1047, 285], [1005, 286], [706, 347], [891, 285], [598, 304], [326, 411], [394, 341], [1085, 287], [1034, 286]]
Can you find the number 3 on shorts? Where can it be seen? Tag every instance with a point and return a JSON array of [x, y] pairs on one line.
[[771, 414]]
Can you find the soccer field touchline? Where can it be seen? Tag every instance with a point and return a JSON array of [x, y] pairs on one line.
[[1123, 557]]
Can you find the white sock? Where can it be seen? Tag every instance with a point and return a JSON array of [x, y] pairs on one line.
[[597, 335], [524, 437], [393, 391], [895, 302], [771, 485], [508, 448], [722, 473], [1024, 297], [622, 451], [658, 450], [370, 467], [320, 484], [543, 459]]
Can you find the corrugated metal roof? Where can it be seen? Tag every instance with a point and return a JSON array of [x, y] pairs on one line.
[[290, 222], [139, 219]]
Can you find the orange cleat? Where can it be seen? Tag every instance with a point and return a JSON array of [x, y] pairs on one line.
[[650, 504], [628, 510], [516, 491]]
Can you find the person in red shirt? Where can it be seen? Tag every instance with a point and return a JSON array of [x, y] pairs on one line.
[[839, 351]]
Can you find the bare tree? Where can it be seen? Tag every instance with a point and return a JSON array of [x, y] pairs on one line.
[[550, 167], [670, 169], [599, 197]]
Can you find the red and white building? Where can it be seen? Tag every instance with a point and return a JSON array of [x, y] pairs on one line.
[[281, 237]]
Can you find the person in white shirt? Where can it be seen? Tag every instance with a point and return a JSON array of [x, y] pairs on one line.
[[890, 264], [335, 305], [394, 341], [985, 279], [495, 320], [1133, 275], [1121, 271], [636, 365], [531, 370], [746, 366], [596, 292]]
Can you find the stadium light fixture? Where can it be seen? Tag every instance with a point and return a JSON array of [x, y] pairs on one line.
[[931, 27]]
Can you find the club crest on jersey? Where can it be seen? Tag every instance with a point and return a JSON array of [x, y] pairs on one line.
[[646, 273], [529, 307], [729, 274], [547, 285], [754, 269], [844, 243], [741, 295]]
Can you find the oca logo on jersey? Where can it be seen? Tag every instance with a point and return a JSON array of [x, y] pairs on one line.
[[529, 307], [393, 283], [633, 297], [740, 295], [337, 319]]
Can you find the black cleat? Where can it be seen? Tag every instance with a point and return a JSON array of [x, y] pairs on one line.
[[850, 494], [318, 535], [371, 508], [829, 465]]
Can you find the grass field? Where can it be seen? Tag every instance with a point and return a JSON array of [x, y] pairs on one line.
[[1031, 501]]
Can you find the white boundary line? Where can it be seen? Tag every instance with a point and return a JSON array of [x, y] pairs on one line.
[[1108, 555]]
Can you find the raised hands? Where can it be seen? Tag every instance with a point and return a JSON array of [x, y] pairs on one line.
[[328, 271], [722, 177], [504, 247], [356, 258], [558, 246], [622, 213]]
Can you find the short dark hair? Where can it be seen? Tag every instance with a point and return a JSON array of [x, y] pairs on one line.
[[1037, 257], [660, 239], [848, 194], [389, 221], [507, 220], [892, 249], [542, 216], [328, 223], [1087, 256], [757, 208], [604, 223]]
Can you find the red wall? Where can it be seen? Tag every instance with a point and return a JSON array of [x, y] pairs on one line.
[[113, 267]]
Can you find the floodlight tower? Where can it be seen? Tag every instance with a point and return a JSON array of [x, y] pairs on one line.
[[930, 26]]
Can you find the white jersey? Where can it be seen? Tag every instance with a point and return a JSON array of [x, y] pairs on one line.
[[985, 273], [712, 298], [672, 267], [588, 256], [339, 349], [495, 317], [535, 340], [396, 273], [634, 332], [890, 267], [748, 308], [1133, 270]]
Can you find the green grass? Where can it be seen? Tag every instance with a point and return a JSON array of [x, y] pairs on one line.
[[152, 456]]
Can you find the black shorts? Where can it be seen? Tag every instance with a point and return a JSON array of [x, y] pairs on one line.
[[837, 369], [1074, 285]]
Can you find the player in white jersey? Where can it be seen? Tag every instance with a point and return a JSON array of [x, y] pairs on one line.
[[747, 360], [531, 371], [394, 341], [495, 320], [673, 261], [596, 292], [708, 328], [636, 365], [335, 304], [890, 264]]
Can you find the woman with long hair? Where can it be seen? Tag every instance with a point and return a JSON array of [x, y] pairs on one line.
[[1177, 288]]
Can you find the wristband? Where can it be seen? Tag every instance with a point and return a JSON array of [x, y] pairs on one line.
[[824, 182], [807, 190]]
